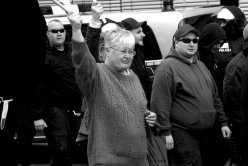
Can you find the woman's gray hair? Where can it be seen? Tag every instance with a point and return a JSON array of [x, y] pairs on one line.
[[115, 37]]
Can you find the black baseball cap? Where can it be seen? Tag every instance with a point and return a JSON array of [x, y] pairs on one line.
[[130, 23], [184, 30]]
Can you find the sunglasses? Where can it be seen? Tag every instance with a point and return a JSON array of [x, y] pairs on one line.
[[187, 41], [57, 30], [221, 21]]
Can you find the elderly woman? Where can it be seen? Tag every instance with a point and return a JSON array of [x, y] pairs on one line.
[[115, 99]]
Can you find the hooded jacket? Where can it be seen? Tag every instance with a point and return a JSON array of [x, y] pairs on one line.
[[216, 63], [185, 95], [232, 86], [211, 34]]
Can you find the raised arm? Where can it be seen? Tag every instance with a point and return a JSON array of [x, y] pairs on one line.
[[94, 30], [75, 20], [86, 68]]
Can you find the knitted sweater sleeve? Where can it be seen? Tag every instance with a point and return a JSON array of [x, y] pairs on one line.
[[86, 69]]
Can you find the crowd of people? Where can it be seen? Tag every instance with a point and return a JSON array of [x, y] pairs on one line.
[[97, 85]]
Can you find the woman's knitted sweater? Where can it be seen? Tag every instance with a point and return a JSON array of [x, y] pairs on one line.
[[116, 105]]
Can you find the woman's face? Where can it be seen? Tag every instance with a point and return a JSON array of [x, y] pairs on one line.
[[120, 57]]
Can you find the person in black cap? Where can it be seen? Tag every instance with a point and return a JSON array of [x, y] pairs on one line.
[[131, 24], [185, 99], [138, 64]]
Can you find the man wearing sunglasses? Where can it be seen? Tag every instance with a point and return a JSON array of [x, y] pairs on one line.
[[61, 118], [185, 99]]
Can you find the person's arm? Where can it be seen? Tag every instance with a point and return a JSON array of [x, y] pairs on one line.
[[94, 30], [220, 114], [41, 98], [244, 92], [86, 69], [244, 111], [161, 100], [231, 93], [92, 39]]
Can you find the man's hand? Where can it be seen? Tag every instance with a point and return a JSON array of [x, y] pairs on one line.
[[169, 142], [151, 118], [75, 20], [40, 124], [96, 10], [76, 24], [62, 6], [226, 132]]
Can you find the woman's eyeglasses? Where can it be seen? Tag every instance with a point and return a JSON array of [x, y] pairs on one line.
[[57, 30], [187, 41], [126, 51]]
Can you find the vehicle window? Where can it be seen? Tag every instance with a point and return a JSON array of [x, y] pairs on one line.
[[151, 50]]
